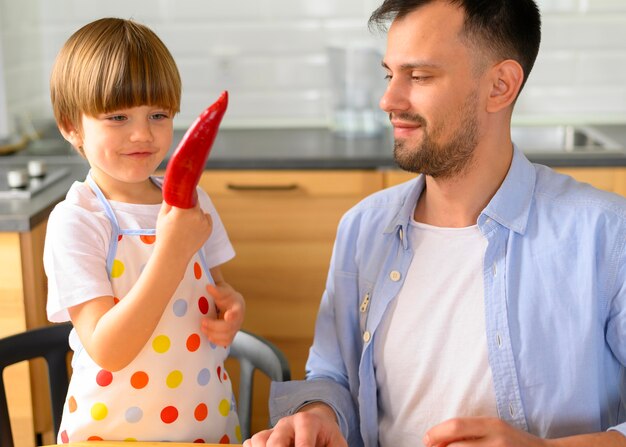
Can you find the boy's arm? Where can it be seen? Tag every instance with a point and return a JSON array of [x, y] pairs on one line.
[[112, 334]]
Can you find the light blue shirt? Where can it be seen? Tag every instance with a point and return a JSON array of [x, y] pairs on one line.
[[555, 306]]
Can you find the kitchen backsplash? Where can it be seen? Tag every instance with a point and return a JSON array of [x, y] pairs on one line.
[[272, 55]]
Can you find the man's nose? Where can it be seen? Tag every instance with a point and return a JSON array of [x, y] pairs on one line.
[[395, 97]]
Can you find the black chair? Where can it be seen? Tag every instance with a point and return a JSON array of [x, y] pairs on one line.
[[255, 352], [252, 352], [51, 343]]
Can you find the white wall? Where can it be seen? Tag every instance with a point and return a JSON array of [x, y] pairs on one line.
[[270, 54]]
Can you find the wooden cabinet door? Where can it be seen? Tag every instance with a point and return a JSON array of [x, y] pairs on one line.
[[282, 225], [606, 178]]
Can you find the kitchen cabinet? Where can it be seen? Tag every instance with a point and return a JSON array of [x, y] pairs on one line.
[[609, 179], [282, 225], [22, 305]]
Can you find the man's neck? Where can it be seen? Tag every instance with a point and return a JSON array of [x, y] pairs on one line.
[[457, 201]]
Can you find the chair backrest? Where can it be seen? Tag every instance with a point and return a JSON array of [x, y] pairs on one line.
[[255, 352], [51, 343]]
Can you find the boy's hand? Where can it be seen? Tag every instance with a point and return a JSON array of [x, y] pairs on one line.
[[182, 232], [230, 307]]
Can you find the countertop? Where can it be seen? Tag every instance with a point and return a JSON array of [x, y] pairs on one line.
[[273, 149]]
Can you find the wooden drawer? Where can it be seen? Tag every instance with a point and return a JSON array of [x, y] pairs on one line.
[[606, 178]]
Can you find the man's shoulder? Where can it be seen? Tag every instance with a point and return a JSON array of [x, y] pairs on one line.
[[556, 188], [386, 199]]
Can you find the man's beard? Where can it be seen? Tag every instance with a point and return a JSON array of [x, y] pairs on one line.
[[440, 160]]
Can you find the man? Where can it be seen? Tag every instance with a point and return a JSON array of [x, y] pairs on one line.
[[484, 303]]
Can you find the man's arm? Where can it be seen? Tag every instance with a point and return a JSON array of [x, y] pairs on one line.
[[492, 431]]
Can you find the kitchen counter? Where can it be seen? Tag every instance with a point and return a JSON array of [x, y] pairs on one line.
[[19, 215], [321, 149], [310, 148]]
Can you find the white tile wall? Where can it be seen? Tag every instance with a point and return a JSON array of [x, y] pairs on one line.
[[270, 54]]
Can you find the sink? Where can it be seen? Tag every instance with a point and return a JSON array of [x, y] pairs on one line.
[[563, 138]]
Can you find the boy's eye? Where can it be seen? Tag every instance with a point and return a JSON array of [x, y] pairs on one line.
[[160, 116], [116, 118]]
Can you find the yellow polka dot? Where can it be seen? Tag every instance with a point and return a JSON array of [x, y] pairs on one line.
[[117, 269], [161, 344], [238, 433], [99, 411], [174, 379], [224, 407]]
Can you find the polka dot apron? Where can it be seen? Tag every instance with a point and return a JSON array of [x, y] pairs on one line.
[[176, 389]]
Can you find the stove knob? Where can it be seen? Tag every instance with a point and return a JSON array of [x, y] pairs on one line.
[[36, 168], [17, 178]]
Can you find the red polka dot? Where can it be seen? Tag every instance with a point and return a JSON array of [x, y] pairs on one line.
[[197, 270], [199, 441], [139, 380], [64, 438], [104, 378], [193, 342], [201, 412], [169, 414], [95, 438], [116, 300], [225, 440], [203, 305], [147, 239], [119, 237], [225, 376]]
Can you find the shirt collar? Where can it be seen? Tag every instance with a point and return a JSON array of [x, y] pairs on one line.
[[510, 206]]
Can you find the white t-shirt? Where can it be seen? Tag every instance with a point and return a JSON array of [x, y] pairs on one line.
[[430, 351], [77, 242]]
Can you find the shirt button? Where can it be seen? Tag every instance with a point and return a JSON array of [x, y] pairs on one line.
[[395, 276], [499, 340], [366, 336], [511, 409], [494, 269]]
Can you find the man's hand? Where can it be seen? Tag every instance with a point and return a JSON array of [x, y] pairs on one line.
[[489, 432], [230, 311], [314, 425]]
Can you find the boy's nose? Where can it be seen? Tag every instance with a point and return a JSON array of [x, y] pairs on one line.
[[142, 132]]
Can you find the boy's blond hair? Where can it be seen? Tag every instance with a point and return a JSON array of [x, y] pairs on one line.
[[112, 64]]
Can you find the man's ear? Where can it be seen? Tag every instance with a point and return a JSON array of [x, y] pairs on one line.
[[506, 82]]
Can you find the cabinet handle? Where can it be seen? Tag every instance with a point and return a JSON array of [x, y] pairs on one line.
[[287, 187]]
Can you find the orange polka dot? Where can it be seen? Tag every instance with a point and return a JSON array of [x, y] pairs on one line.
[[197, 270], [95, 438], [201, 412], [71, 404], [193, 342], [169, 414], [147, 239], [139, 380], [225, 440], [116, 300], [104, 378]]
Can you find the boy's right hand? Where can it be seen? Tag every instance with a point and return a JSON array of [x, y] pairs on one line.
[[181, 232]]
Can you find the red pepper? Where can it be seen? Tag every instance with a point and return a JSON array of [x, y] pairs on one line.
[[187, 163]]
